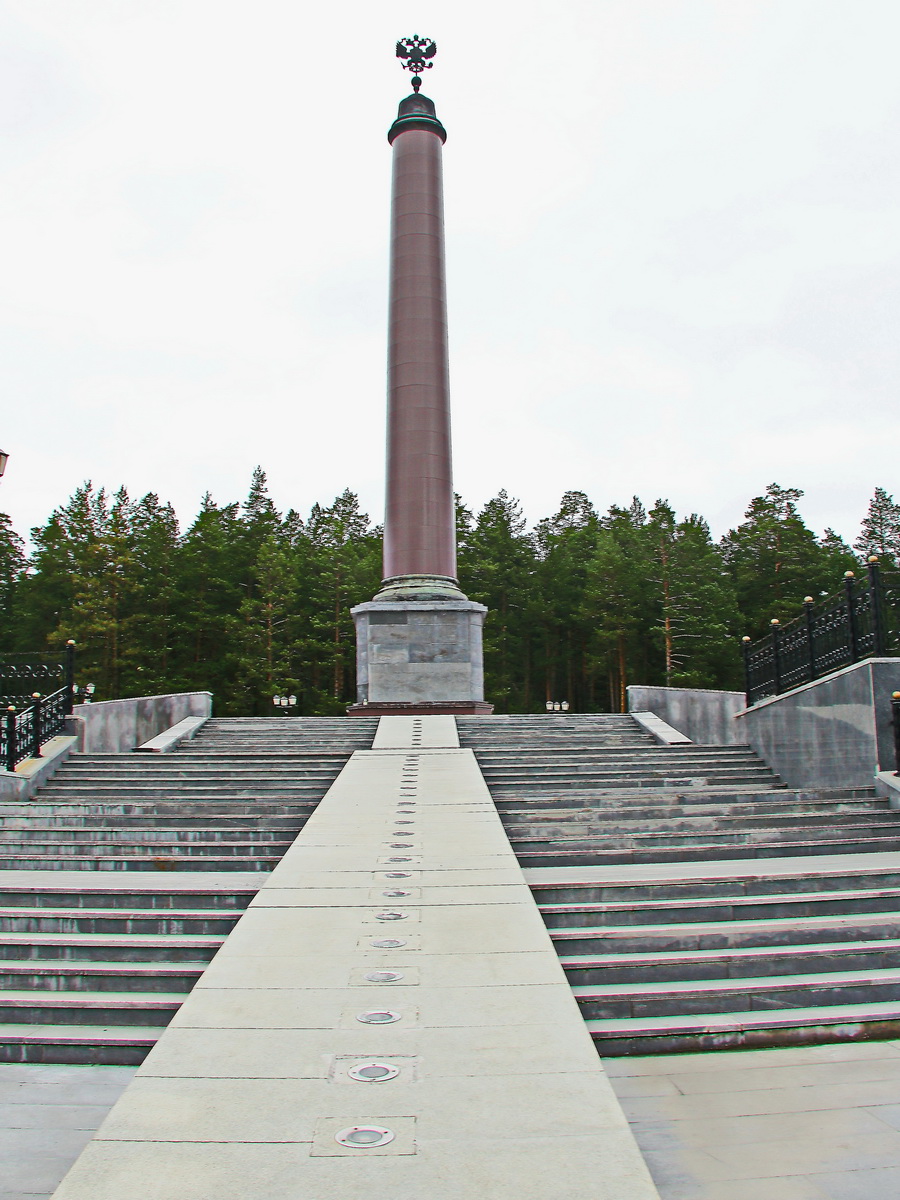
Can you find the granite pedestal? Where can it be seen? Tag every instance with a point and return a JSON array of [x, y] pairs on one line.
[[419, 656]]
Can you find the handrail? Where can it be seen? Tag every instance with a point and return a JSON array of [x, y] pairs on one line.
[[859, 621], [24, 730]]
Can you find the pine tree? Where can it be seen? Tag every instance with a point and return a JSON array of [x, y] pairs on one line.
[[207, 595], [496, 565], [564, 545], [267, 631], [775, 560], [12, 566], [344, 569], [697, 616], [880, 532], [153, 615]]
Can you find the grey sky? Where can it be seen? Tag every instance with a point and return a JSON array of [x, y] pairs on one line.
[[673, 248]]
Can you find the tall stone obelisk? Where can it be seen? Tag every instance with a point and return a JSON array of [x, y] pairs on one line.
[[418, 642]]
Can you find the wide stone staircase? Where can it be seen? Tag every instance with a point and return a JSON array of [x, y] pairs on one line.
[[124, 874], [697, 902]]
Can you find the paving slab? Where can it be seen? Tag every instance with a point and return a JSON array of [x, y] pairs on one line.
[[493, 1082], [814, 1123]]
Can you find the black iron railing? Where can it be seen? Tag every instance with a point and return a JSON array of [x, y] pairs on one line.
[[28, 721], [860, 621]]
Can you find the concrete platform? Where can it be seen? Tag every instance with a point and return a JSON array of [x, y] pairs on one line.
[[401, 898]]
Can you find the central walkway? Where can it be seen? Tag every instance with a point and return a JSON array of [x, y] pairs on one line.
[[389, 1018]]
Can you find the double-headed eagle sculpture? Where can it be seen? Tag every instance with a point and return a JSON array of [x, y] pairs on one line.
[[415, 52]]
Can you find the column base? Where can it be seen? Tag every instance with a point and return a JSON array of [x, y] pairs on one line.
[[419, 708], [419, 657]]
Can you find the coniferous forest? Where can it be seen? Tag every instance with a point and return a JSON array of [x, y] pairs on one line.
[[248, 602]]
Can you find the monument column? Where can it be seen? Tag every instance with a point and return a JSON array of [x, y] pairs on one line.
[[419, 640]]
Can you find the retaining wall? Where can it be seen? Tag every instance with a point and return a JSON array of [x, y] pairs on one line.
[[117, 726], [703, 715]]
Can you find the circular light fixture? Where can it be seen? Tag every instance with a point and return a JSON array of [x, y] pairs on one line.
[[383, 976], [399, 874], [400, 845], [392, 892], [388, 943], [363, 1137], [400, 858], [378, 1016], [373, 1072], [391, 916]]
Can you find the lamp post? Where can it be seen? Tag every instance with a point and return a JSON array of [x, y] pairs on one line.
[[557, 706], [285, 702]]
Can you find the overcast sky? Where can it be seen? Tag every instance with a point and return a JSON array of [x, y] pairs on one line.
[[672, 232]]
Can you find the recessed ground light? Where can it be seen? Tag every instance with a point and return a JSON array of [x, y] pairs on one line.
[[363, 1137], [396, 892], [378, 1016], [400, 858], [373, 1072], [383, 976], [399, 874], [391, 916], [400, 845], [388, 943]]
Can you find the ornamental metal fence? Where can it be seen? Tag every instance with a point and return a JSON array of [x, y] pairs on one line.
[[861, 621], [30, 718]]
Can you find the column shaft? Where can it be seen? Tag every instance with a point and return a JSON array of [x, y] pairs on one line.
[[419, 528]]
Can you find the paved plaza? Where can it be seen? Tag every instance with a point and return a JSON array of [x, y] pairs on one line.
[[821, 1123]]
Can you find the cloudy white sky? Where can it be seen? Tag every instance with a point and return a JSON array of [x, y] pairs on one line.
[[672, 229]]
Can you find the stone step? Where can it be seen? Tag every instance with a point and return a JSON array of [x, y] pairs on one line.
[[48, 893], [220, 836], [89, 1008], [122, 1045], [98, 976], [866, 827], [207, 790], [24, 920], [679, 911], [577, 817], [250, 842], [709, 851], [168, 825], [564, 833], [746, 1029], [719, 935], [105, 947], [675, 997], [753, 961], [584, 774], [575, 801], [161, 861], [522, 789], [165, 809], [634, 891]]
